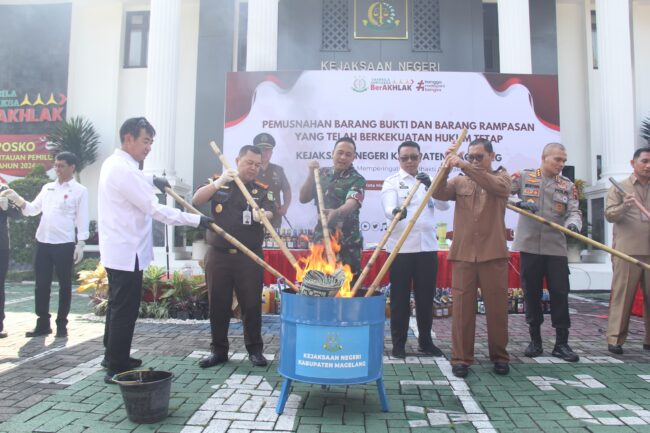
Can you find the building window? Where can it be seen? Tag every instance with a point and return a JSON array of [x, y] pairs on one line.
[[594, 40], [136, 39], [335, 26], [426, 26]]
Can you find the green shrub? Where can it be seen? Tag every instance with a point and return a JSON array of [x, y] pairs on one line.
[[89, 264], [22, 231]]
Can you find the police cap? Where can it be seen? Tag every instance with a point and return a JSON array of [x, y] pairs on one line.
[[264, 140]]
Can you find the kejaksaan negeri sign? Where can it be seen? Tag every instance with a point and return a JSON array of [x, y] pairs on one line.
[[332, 353]]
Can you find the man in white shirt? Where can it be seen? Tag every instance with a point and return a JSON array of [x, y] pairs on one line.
[[64, 205], [126, 207], [417, 262]]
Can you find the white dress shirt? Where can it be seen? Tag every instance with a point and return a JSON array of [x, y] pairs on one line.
[[423, 235], [64, 207], [126, 206]]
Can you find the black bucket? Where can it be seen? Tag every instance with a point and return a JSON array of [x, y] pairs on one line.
[[145, 394]]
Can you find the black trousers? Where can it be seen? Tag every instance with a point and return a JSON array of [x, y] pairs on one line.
[[418, 269], [223, 273], [51, 258], [4, 266], [124, 294], [534, 267]]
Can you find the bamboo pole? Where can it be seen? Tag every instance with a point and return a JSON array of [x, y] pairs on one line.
[[442, 173], [384, 239], [256, 208], [636, 202], [323, 219], [241, 247], [580, 237]]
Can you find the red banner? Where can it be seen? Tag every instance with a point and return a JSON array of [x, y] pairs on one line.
[[19, 154]]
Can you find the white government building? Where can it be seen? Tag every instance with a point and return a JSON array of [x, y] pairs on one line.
[[167, 60]]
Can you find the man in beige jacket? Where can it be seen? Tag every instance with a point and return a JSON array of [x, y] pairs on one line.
[[632, 237]]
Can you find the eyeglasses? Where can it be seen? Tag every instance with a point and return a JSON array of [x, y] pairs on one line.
[[478, 157], [409, 157]]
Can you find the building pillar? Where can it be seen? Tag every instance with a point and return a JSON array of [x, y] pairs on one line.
[[162, 75], [613, 23], [262, 35], [514, 37]]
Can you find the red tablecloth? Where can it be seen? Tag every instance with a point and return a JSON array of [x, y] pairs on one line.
[[637, 306], [276, 259]]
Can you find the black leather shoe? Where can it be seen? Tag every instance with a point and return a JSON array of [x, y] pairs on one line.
[[109, 378], [501, 368], [460, 370], [646, 347], [3, 334], [430, 350], [61, 333], [213, 360], [564, 352], [534, 349], [38, 332], [616, 349], [258, 360], [398, 352], [133, 363]]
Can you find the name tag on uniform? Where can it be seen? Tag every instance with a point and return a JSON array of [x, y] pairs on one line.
[[246, 217]]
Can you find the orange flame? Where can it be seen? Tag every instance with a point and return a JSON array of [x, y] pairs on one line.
[[317, 260]]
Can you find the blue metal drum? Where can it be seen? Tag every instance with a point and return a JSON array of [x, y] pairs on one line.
[[331, 341]]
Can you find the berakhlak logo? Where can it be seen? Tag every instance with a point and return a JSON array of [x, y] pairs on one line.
[[359, 85]]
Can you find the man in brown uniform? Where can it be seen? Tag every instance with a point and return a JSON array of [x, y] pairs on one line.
[[632, 237], [479, 253], [273, 176], [225, 266]]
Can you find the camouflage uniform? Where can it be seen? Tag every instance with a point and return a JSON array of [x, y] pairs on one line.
[[337, 188], [277, 181]]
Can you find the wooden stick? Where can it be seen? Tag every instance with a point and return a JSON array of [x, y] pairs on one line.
[[241, 247], [440, 175], [384, 239], [580, 237], [323, 219], [638, 204], [256, 208]]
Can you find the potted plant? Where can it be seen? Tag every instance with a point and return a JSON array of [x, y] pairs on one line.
[[76, 135]]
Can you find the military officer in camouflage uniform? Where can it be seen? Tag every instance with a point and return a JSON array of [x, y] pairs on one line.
[[343, 191], [273, 176], [226, 268], [543, 249]]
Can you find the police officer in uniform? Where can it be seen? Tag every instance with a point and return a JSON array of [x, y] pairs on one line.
[[226, 268], [543, 249], [273, 176], [7, 210], [343, 191]]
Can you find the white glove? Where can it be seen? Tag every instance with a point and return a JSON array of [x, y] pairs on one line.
[[14, 197], [78, 252], [4, 203], [257, 218], [226, 177]]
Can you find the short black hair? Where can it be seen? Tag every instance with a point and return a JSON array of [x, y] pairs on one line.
[[346, 139], [639, 151], [408, 144], [133, 126], [487, 144], [249, 148], [69, 157]]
